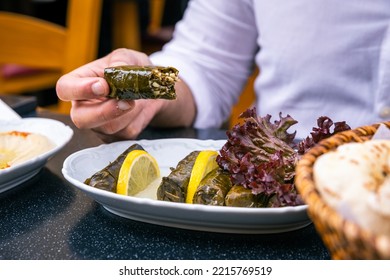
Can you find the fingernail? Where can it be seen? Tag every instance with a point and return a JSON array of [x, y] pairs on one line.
[[97, 88], [123, 105]]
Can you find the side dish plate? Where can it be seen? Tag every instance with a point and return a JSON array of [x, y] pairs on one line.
[[56, 131], [82, 164]]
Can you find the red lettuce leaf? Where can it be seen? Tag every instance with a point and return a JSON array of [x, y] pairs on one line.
[[261, 155], [323, 131]]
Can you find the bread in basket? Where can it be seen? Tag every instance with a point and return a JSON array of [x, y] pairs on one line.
[[344, 238]]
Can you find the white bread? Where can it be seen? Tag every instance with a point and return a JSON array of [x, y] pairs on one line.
[[355, 180]]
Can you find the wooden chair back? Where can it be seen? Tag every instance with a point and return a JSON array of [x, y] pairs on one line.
[[52, 50]]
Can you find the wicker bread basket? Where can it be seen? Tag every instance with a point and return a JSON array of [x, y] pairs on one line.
[[344, 239]]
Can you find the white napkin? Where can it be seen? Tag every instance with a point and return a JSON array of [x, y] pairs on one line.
[[6, 112]]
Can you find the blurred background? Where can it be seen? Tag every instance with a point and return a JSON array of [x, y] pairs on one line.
[[43, 39], [145, 26]]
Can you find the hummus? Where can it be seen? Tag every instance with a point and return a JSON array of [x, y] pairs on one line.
[[17, 147]]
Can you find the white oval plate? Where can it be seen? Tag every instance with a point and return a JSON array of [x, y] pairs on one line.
[[82, 164], [56, 131]]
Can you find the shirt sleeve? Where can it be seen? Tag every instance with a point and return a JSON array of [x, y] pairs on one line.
[[213, 48]]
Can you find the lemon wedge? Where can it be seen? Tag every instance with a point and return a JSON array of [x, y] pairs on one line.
[[139, 169], [205, 162]]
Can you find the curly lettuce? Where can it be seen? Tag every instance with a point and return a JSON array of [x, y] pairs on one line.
[[325, 129], [261, 155]]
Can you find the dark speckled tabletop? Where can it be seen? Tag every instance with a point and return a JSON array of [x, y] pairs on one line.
[[47, 219]]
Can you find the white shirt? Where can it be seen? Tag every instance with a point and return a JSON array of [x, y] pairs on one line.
[[316, 58]]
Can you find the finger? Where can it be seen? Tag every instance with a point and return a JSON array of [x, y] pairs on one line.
[[128, 125], [70, 87], [124, 56], [98, 112], [124, 126]]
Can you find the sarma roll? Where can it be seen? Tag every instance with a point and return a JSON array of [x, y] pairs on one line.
[[213, 188], [174, 186], [239, 196], [107, 178], [141, 82]]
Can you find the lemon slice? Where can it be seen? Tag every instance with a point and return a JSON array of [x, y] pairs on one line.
[[139, 169], [205, 162]]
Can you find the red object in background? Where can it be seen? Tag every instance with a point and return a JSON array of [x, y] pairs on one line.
[[9, 71]]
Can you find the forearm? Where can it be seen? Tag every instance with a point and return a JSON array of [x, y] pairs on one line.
[[179, 112]]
